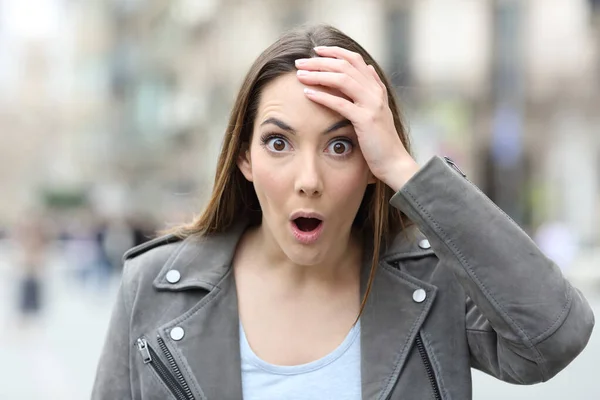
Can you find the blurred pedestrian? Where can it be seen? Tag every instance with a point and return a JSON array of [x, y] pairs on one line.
[[84, 251], [118, 236], [31, 240], [329, 265]]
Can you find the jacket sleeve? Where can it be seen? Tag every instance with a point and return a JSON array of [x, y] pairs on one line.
[[112, 380], [524, 321]]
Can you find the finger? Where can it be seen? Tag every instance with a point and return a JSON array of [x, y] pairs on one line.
[[328, 64], [338, 52], [378, 79], [338, 104], [323, 64], [342, 82]]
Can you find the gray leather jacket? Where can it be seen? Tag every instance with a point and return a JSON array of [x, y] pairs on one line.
[[467, 289]]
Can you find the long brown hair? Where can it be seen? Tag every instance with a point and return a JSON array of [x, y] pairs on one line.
[[233, 197]]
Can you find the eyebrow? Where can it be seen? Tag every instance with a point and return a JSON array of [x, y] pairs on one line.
[[282, 125]]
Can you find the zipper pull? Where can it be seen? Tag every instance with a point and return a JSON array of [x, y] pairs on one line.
[[453, 165], [142, 346]]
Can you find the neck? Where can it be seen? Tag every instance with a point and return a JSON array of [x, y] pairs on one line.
[[340, 266]]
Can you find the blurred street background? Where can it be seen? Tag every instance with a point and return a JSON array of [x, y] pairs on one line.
[[112, 113]]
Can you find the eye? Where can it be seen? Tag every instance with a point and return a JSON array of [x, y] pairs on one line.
[[276, 144], [340, 147]]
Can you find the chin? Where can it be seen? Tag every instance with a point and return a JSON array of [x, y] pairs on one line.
[[303, 255]]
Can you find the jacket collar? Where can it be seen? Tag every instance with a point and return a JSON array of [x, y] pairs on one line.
[[203, 261]]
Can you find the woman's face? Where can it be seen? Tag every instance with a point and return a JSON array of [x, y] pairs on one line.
[[308, 172]]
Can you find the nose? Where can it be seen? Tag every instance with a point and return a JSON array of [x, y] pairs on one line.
[[309, 181]]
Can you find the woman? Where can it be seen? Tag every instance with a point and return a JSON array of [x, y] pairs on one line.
[[328, 264]]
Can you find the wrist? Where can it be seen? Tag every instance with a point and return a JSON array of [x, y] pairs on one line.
[[400, 172]]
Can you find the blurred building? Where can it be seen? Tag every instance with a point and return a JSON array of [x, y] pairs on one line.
[[53, 103], [508, 88]]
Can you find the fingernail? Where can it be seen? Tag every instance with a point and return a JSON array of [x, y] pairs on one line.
[[301, 61], [302, 72], [309, 91], [319, 48]]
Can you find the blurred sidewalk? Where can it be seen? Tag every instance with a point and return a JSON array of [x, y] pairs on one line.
[[53, 357]]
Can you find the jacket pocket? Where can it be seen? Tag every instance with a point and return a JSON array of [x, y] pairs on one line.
[[168, 372]]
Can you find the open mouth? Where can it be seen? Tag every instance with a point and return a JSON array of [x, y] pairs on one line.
[[307, 224]]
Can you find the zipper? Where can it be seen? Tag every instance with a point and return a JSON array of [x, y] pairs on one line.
[[453, 164], [428, 368], [172, 377]]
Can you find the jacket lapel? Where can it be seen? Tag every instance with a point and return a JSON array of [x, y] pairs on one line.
[[391, 320], [210, 347]]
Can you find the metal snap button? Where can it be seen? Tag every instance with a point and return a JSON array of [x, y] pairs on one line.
[[177, 333], [424, 244], [173, 276], [419, 295]]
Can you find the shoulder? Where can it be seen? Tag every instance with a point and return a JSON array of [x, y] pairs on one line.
[[409, 243], [200, 260], [145, 261], [150, 245]]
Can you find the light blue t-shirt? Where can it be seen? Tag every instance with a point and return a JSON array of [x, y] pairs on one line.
[[335, 376]]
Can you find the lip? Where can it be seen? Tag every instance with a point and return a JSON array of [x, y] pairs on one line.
[[306, 214], [306, 237]]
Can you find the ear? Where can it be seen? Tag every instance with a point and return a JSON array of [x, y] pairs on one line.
[[244, 162]]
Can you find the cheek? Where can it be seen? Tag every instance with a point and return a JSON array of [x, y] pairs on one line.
[[347, 187], [269, 183]]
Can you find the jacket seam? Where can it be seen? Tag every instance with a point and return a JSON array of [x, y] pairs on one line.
[[479, 331], [184, 364], [567, 304], [433, 358], [496, 206], [160, 381], [200, 306], [173, 257], [192, 283], [562, 317], [461, 258], [553, 328], [498, 337], [398, 256]]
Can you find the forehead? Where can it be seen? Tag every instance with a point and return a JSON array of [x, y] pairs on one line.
[[284, 98]]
